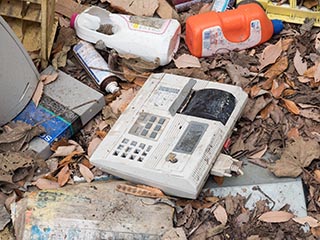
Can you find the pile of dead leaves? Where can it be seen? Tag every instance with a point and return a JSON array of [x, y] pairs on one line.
[[228, 218], [282, 117], [17, 165]]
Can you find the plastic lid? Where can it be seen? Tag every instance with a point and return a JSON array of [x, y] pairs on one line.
[[277, 26], [73, 19]]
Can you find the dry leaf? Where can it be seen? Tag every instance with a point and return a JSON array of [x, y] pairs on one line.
[[78, 147], [317, 175], [93, 145], [129, 74], [300, 66], [286, 43], [277, 68], [296, 156], [312, 222], [46, 79], [140, 191], [212, 199], [63, 151], [18, 134], [270, 54], [174, 234], [87, 163], [109, 116], [63, 175], [291, 106], [23, 174], [69, 7], [69, 159], [254, 237], [267, 84], [56, 144], [10, 199], [151, 189], [276, 216], [289, 92], [316, 232], [138, 64], [235, 75], [121, 103], [309, 73], [277, 89], [293, 133], [139, 81], [196, 204], [63, 22], [43, 183], [166, 11], [310, 3], [86, 173], [101, 134], [186, 60], [4, 217], [311, 113], [306, 105], [288, 80], [312, 191], [11, 161], [221, 214], [304, 79], [317, 42], [38, 93], [205, 8], [214, 231], [60, 58], [317, 73], [265, 113], [136, 7], [254, 107], [254, 91], [260, 153]]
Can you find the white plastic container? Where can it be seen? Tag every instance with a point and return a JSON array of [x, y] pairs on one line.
[[148, 38]]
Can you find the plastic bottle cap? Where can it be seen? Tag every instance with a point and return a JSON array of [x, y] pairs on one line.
[[73, 19], [277, 26], [112, 87]]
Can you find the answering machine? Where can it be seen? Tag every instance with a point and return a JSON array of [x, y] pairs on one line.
[[171, 134]]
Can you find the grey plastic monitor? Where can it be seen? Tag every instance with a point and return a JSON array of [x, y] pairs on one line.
[[18, 75]]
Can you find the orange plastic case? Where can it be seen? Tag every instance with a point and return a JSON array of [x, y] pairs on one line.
[[212, 32]]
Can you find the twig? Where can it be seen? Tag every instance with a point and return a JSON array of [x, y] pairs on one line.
[[257, 188], [308, 173], [252, 79], [202, 221], [119, 72], [258, 162], [166, 201]]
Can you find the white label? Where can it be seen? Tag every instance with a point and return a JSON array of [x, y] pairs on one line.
[[213, 40], [147, 24], [163, 97]]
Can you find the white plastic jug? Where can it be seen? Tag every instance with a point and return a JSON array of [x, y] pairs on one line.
[[148, 38]]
